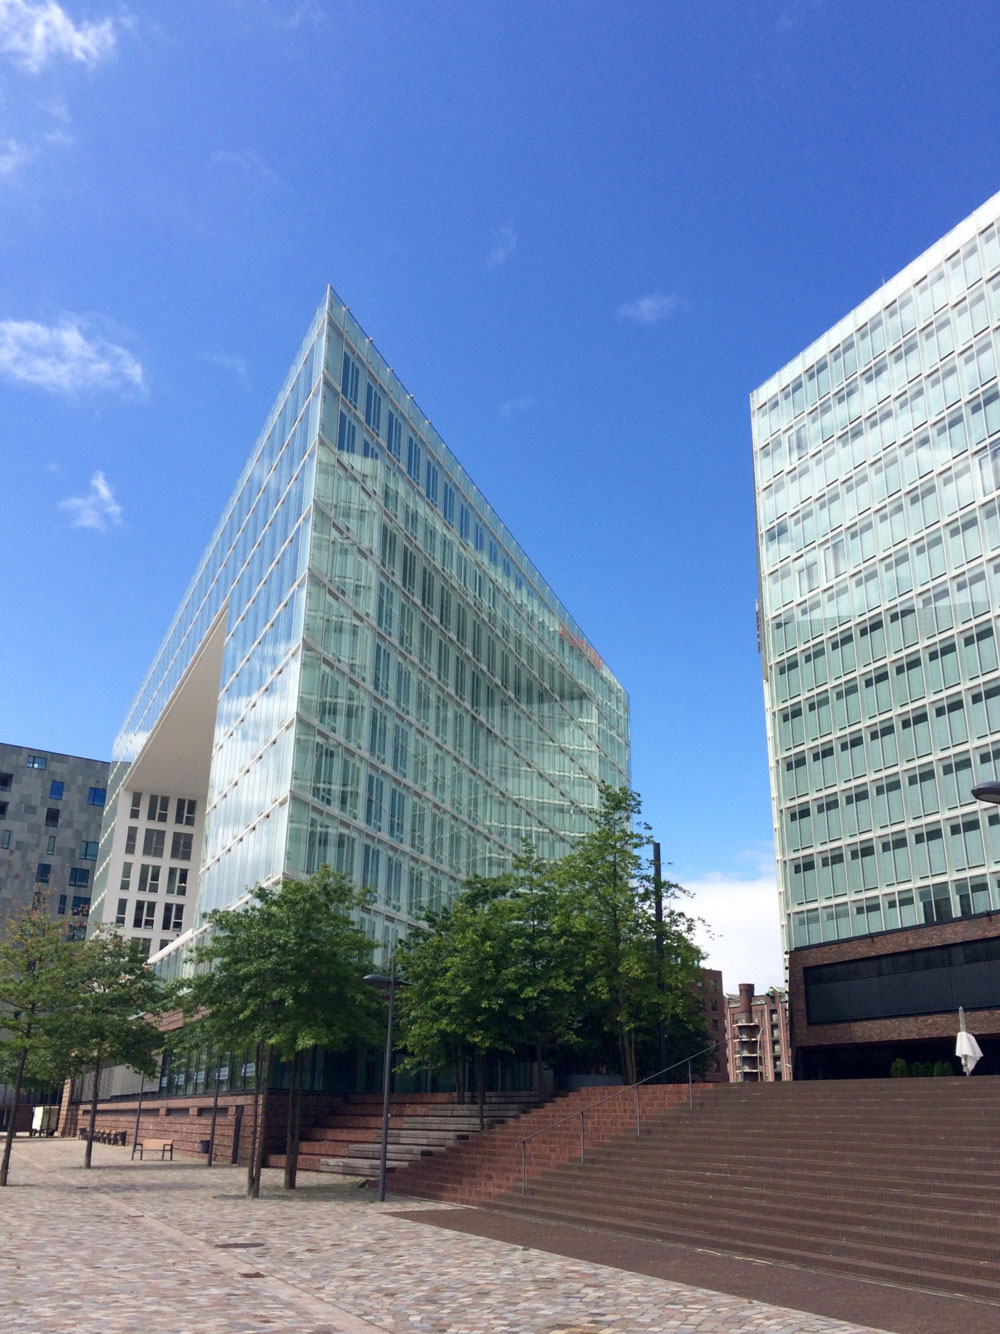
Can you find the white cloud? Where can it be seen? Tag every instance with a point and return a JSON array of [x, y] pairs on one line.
[[63, 358], [651, 308], [33, 32], [742, 916], [247, 160], [232, 362], [513, 407], [504, 245], [98, 509], [14, 155]]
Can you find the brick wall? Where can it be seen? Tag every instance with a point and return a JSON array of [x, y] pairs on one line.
[[901, 1028], [487, 1165], [188, 1121]]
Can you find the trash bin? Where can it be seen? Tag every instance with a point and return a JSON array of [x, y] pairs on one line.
[[203, 1145]]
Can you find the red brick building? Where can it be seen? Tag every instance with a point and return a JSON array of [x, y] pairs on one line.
[[758, 1042], [858, 1005]]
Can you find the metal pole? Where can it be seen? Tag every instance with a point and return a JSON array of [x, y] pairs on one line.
[[524, 1167], [581, 1138], [661, 1031], [690, 1087], [386, 1078], [215, 1113], [138, 1111], [637, 1110]]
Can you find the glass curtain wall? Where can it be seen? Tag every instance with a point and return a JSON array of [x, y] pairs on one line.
[[877, 466], [449, 707]]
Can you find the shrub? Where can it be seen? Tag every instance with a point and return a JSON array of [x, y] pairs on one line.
[[899, 1069], [943, 1068]]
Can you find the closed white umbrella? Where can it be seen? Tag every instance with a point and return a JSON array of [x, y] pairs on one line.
[[966, 1046]]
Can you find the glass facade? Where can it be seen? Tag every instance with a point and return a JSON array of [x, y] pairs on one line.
[[877, 471], [402, 696]]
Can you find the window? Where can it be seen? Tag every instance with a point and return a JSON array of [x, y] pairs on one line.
[[177, 880], [96, 796], [55, 791], [130, 838], [122, 913], [36, 762], [144, 916], [5, 839], [153, 842], [42, 872], [61, 910], [50, 845], [394, 436], [52, 817], [350, 378], [347, 435], [149, 878], [414, 458], [88, 851], [173, 916], [431, 482], [136, 806], [79, 876], [185, 810], [3, 809], [158, 808], [373, 408], [180, 847], [126, 880], [5, 782]]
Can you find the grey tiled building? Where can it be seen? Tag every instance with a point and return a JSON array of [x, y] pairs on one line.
[[51, 807]]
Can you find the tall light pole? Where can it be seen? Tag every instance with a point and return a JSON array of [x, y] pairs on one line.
[[989, 792], [380, 980], [661, 1032]]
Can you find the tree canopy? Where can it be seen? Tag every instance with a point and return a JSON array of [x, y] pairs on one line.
[[564, 957], [284, 973]]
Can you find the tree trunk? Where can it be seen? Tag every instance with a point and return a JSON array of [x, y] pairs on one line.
[[459, 1075], [259, 1157], [294, 1121], [480, 1060], [9, 1137], [252, 1156], [92, 1120]]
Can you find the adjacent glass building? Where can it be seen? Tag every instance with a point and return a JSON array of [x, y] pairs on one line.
[[877, 468], [366, 671]]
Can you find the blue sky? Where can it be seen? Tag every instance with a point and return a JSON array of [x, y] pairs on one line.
[[582, 233]]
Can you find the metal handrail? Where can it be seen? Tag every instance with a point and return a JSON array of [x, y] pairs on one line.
[[522, 1144]]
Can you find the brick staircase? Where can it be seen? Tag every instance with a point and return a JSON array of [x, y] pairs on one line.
[[348, 1140], [486, 1166], [892, 1180]]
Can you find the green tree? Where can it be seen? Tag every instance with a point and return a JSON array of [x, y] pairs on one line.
[[283, 974], [608, 928], [38, 986], [560, 957], [112, 1020], [464, 993]]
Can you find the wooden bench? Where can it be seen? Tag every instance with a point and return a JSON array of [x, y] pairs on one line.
[[162, 1146]]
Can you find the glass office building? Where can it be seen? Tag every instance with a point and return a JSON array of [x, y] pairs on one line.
[[365, 671], [877, 469]]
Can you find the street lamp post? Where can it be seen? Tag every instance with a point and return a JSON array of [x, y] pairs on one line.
[[380, 980], [989, 792]]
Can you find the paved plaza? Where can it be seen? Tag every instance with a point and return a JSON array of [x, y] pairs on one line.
[[175, 1248]]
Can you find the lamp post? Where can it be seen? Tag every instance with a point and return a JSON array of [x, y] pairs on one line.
[[389, 983], [989, 792]]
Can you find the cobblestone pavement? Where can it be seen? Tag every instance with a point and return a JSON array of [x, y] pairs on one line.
[[173, 1248]]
